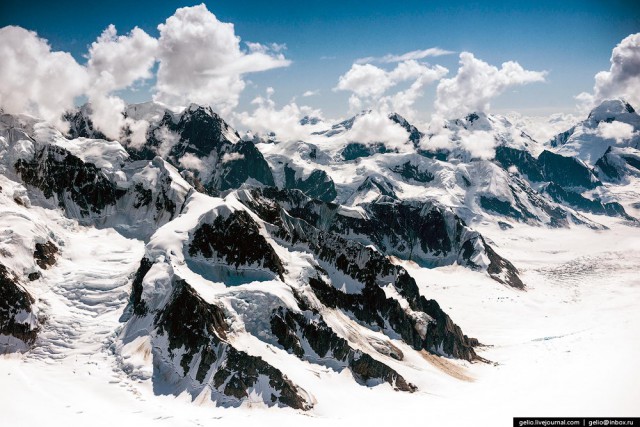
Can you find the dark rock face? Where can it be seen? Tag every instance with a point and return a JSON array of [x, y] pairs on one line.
[[525, 162], [414, 134], [632, 161], [318, 185], [410, 171], [246, 162], [196, 333], [562, 138], [366, 266], [445, 337], [355, 150], [379, 184], [139, 306], [442, 336], [45, 254], [566, 171], [609, 167], [439, 154], [366, 369], [405, 228], [81, 126], [501, 269], [505, 208], [143, 197], [615, 165], [577, 201], [58, 173], [15, 301], [291, 328], [190, 323], [202, 133], [86, 193], [241, 372], [235, 240], [428, 234], [558, 216], [203, 129]]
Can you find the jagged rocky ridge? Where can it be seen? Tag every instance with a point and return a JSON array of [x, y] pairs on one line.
[[222, 258], [588, 143], [143, 196], [618, 163], [424, 232], [423, 326], [507, 186], [197, 346], [197, 137]]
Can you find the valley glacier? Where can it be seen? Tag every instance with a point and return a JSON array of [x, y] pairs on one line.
[[329, 281]]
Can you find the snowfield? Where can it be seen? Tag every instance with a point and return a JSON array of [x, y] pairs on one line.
[[567, 346], [358, 283]]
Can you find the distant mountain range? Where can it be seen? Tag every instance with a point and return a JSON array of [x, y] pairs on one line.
[[256, 244]]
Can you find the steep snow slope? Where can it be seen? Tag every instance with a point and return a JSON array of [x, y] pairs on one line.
[[286, 306], [329, 300], [612, 123], [543, 341], [476, 190]]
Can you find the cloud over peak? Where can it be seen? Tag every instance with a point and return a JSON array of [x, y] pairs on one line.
[[623, 78], [200, 60], [35, 80], [368, 83], [476, 83]]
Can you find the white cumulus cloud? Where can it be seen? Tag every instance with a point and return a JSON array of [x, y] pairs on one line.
[[284, 121], [35, 80], [191, 161], [377, 127], [480, 144], [368, 83], [477, 144], [230, 157], [365, 80], [201, 60], [476, 83], [623, 78], [615, 130], [116, 62]]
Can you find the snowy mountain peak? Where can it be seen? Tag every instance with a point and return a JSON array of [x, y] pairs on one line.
[[480, 121], [476, 136], [343, 126], [612, 109], [201, 112], [613, 122]]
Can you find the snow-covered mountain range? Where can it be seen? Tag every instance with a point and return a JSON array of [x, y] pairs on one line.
[[233, 267]]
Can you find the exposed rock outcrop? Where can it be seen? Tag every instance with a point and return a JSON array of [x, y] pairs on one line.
[[318, 185], [17, 318], [198, 353]]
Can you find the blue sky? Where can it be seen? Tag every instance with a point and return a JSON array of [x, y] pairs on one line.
[[572, 40]]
